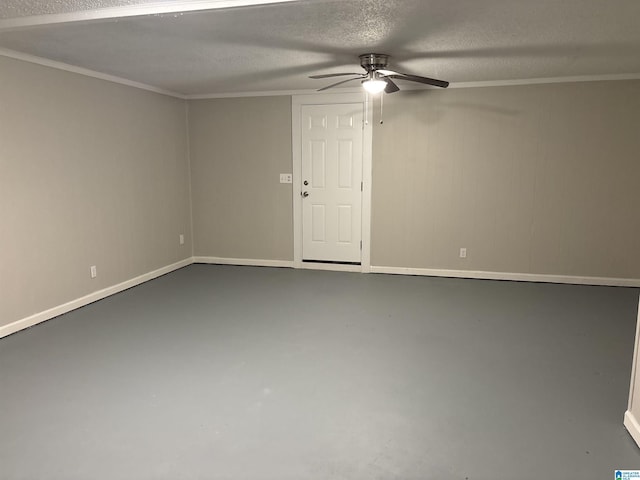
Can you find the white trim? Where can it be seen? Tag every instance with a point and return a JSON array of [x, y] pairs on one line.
[[272, 93], [518, 277], [636, 355], [632, 426], [87, 299], [156, 8], [297, 101], [296, 140], [481, 84], [253, 262], [630, 422], [25, 57], [367, 182], [5, 52], [538, 81]]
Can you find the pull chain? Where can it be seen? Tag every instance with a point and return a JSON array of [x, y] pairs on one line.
[[381, 104]]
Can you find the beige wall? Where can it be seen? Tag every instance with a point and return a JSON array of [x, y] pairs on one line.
[[239, 146], [530, 179], [91, 173]]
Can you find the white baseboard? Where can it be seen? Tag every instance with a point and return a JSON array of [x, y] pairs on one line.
[[253, 262], [87, 299], [632, 426], [519, 277], [100, 294], [244, 262]]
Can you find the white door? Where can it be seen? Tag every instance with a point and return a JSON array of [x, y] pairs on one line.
[[332, 182]]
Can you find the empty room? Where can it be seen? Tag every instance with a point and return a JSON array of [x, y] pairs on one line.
[[319, 239]]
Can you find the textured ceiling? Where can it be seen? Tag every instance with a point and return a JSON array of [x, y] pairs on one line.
[[275, 47]]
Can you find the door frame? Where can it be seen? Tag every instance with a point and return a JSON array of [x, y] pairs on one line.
[[297, 101]]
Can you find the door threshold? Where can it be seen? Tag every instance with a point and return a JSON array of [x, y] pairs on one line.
[[331, 262], [331, 266]]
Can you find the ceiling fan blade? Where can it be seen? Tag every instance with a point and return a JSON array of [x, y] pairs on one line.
[[339, 83], [419, 79], [391, 86], [327, 75]]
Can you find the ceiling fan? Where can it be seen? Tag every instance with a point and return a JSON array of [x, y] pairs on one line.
[[377, 78]]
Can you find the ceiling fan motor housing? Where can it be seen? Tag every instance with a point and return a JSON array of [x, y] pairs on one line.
[[374, 61], [377, 74]]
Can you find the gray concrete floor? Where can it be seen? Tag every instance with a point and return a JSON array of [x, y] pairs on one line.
[[218, 372]]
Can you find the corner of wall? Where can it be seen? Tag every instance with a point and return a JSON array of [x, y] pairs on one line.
[[188, 153], [632, 426]]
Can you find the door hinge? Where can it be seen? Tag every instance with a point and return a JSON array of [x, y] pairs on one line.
[[361, 187], [360, 244]]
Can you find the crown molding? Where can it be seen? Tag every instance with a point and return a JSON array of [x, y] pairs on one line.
[[5, 52], [481, 84], [270, 93], [155, 8], [540, 81]]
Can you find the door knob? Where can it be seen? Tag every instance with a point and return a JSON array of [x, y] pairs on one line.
[[304, 194], [306, 183]]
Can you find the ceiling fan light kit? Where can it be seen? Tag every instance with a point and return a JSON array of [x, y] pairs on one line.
[[374, 86], [377, 78]]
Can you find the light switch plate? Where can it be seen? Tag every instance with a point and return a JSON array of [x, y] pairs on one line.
[[286, 178]]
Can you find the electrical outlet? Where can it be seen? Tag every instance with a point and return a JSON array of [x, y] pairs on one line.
[[94, 271], [181, 239], [463, 253], [286, 178]]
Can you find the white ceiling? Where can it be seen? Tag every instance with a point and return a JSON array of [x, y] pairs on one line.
[[276, 46]]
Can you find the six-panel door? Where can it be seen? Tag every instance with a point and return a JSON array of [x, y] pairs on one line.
[[332, 169]]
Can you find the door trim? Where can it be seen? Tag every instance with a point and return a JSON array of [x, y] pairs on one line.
[[297, 101]]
